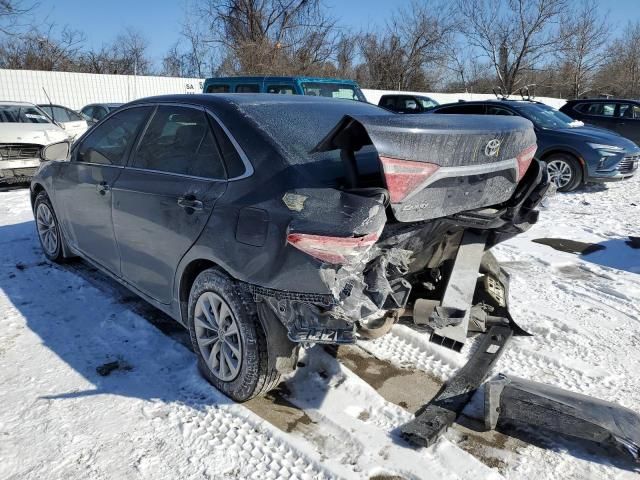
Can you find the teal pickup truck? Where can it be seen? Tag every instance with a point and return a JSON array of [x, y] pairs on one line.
[[318, 87]]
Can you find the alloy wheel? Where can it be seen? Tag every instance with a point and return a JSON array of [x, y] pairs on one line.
[[218, 336], [47, 229], [560, 173]]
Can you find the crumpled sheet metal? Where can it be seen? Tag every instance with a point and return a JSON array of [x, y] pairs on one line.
[[512, 402]]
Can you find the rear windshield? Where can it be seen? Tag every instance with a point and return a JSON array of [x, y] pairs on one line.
[[298, 127], [22, 114], [333, 90]]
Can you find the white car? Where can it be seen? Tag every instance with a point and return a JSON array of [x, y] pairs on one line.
[[24, 130], [72, 122]]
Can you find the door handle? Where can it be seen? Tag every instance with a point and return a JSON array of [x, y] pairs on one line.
[[189, 202], [103, 188]]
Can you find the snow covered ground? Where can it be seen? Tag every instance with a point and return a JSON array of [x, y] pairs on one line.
[[336, 417]]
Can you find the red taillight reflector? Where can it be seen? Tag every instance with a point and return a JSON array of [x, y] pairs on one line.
[[338, 250], [524, 160], [404, 176]]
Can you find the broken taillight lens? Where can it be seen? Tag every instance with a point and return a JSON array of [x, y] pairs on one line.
[[403, 177], [337, 250], [524, 160]]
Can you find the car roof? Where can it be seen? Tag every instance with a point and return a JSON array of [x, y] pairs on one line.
[[15, 103], [585, 100], [240, 99], [493, 102], [106, 104]]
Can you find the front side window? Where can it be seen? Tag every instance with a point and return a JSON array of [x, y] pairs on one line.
[[109, 143], [22, 114], [491, 110], [179, 140], [625, 110], [333, 90], [600, 108], [218, 89], [281, 89], [427, 103], [248, 88], [99, 113]]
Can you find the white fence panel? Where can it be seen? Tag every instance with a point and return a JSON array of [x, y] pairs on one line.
[[76, 90]]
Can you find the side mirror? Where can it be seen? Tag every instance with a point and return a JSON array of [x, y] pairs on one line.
[[55, 152]]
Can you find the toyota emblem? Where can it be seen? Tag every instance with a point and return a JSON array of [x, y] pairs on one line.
[[493, 148]]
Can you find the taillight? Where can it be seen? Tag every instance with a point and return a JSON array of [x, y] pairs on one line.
[[337, 250], [524, 160], [403, 177]]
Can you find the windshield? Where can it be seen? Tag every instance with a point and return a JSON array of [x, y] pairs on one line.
[[546, 117], [333, 90], [22, 114]]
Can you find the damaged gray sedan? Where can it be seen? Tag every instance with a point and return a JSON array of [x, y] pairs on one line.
[[265, 222]]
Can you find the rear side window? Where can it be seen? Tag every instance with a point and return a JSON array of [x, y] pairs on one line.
[[463, 109], [281, 89], [491, 110], [109, 143], [235, 166], [248, 88], [603, 109], [179, 140], [218, 88]]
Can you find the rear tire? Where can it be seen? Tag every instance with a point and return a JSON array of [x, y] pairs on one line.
[[227, 337], [48, 228], [564, 171]]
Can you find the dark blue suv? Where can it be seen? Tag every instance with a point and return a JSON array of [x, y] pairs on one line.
[[574, 153]]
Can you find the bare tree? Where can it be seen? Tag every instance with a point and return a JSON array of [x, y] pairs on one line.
[[515, 35], [415, 36], [581, 51], [42, 49], [620, 74], [268, 36], [12, 12]]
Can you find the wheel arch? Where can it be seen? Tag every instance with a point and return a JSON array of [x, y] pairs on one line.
[[566, 151], [35, 189]]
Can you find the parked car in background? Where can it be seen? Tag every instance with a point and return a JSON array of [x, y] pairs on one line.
[[95, 112], [574, 153], [407, 103], [263, 223], [72, 122], [24, 130], [621, 116], [316, 87]]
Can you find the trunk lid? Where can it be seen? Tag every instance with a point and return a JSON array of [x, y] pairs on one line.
[[435, 166]]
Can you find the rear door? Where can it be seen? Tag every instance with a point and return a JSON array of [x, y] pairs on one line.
[[163, 199], [601, 114], [628, 121], [84, 185]]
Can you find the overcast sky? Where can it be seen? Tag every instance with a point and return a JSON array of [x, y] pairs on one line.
[[160, 20]]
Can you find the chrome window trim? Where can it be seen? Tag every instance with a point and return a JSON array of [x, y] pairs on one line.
[[243, 156], [195, 177]]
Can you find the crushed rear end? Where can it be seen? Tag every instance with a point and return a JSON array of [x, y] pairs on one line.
[[399, 237]]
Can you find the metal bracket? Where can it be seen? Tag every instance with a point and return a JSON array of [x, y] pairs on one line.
[[435, 417], [458, 296]]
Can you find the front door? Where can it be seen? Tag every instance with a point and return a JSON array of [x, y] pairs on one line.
[[163, 199], [629, 121], [84, 185]]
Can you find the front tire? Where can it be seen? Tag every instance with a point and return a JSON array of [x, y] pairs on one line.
[[227, 337], [48, 228], [564, 171]]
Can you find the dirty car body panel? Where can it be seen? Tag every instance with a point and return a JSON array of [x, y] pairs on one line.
[[337, 215]]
